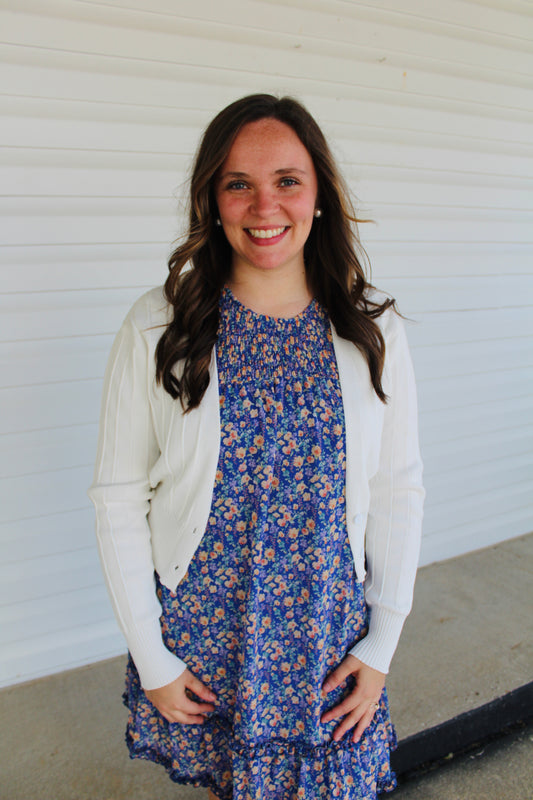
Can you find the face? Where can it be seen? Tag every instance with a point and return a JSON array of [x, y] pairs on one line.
[[266, 194]]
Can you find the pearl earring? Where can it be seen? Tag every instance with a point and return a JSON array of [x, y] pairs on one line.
[[318, 213], [218, 223]]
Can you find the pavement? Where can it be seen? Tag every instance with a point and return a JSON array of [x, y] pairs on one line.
[[467, 642]]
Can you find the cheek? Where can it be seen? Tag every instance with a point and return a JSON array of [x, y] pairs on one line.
[[230, 210], [304, 207]]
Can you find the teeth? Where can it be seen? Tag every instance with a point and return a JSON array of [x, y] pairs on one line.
[[268, 234]]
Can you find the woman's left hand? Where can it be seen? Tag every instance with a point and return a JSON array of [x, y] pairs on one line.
[[359, 706]]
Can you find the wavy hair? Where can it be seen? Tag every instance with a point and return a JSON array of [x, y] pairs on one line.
[[335, 273]]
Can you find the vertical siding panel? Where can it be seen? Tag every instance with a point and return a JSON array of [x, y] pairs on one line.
[[429, 112]]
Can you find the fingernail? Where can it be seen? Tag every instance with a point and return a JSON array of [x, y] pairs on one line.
[[327, 687]]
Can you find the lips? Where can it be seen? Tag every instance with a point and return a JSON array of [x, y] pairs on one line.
[[266, 233]]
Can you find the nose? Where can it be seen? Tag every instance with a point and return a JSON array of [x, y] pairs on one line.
[[264, 202]]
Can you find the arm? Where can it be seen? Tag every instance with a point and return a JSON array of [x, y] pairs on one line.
[[121, 493], [392, 541]]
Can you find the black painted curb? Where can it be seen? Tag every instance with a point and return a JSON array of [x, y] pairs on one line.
[[456, 736]]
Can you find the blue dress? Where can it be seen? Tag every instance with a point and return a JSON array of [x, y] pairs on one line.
[[270, 604]]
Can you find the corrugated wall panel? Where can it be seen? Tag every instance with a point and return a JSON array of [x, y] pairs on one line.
[[428, 107]]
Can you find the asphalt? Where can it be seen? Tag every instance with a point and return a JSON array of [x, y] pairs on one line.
[[466, 644]]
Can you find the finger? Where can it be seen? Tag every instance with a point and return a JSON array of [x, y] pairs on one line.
[[184, 719], [338, 676], [347, 724], [200, 689], [349, 704], [188, 706], [362, 725]]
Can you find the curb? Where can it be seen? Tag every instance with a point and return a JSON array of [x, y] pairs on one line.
[[454, 737]]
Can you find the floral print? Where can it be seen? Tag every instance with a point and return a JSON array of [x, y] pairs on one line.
[[270, 604]]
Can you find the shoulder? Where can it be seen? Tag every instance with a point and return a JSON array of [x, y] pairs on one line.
[[389, 322], [151, 310]]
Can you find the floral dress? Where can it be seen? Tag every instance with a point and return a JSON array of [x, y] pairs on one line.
[[270, 604]]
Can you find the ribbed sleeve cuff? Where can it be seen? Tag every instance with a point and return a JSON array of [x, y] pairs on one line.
[[156, 665], [378, 647]]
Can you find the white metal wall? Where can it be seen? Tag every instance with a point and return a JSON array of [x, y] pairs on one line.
[[428, 106]]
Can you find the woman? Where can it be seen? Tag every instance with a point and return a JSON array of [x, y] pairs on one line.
[[258, 455]]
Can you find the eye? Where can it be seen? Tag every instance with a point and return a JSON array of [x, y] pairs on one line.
[[238, 185], [289, 182]]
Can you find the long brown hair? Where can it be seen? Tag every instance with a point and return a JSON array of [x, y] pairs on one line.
[[335, 272]]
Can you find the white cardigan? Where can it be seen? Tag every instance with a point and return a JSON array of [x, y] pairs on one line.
[[155, 473]]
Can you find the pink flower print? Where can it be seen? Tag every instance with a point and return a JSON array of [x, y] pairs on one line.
[[230, 513], [231, 581], [230, 438], [299, 728], [326, 489], [266, 483], [278, 651]]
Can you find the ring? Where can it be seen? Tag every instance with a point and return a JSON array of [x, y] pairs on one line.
[[374, 706]]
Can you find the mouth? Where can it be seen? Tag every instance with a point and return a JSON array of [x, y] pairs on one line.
[[267, 234]]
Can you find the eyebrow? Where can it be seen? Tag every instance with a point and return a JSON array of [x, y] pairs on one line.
[[282, 171]]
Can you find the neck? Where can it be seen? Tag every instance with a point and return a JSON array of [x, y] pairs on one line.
[[271, 294]]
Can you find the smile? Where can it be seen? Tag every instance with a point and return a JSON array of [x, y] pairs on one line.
[[268, 233]]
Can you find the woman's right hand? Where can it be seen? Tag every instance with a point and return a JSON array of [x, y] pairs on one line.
[[174, 703]]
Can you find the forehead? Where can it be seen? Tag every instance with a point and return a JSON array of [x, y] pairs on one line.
[[267, 143]]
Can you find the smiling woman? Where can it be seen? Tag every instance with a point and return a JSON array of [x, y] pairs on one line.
[[266, 195], [258, 480]]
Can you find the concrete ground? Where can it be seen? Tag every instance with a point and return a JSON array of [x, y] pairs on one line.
[[467, 642]]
